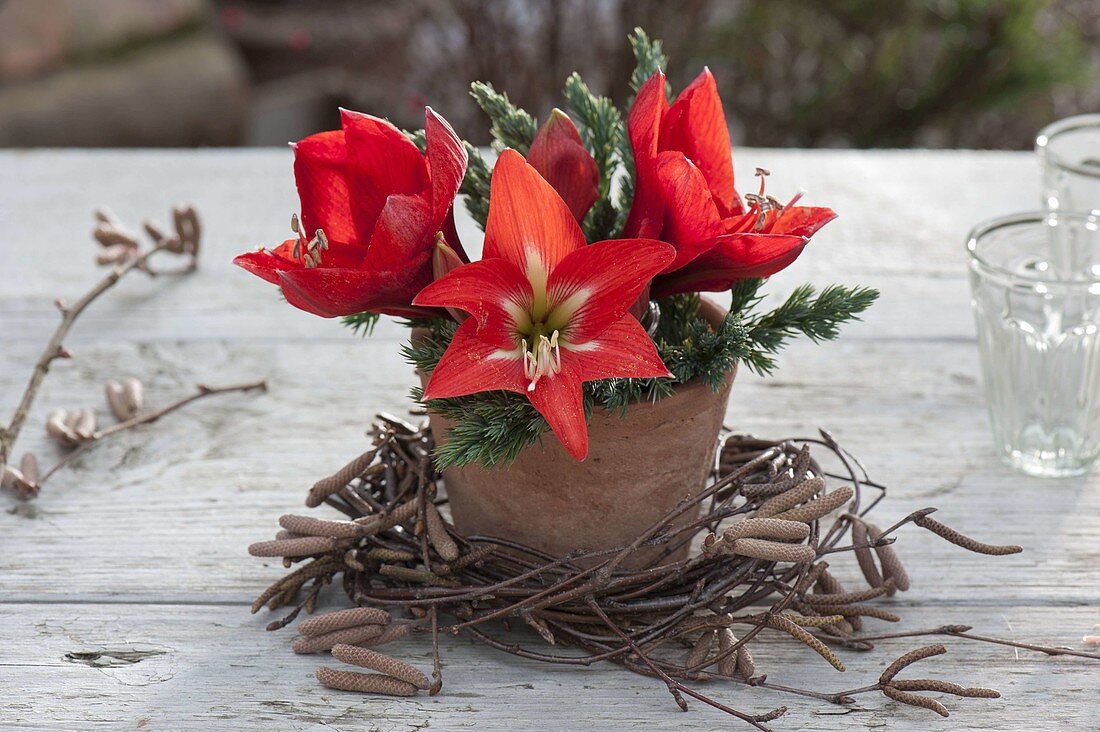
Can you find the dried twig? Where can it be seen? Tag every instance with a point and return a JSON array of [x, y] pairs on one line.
[[124, 254], [129, 257], [201, 392]]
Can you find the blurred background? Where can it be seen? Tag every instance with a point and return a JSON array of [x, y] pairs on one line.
[[805, 73]]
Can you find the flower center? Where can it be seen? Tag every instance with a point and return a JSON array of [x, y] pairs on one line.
[[760, 204], [312, 248], [543, 358]]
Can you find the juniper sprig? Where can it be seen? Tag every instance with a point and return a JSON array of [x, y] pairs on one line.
[[815, 315], [511, 126], [475, 186], [361, 323], [649, 56]]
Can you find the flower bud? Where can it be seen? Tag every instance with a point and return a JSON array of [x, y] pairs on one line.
[[134, 394], [117, 402], [113, 254], [57, 428], [10, 476], [445, 260], [82, 422], [560, 157], [112, 236], [28, 465], [154, 231]]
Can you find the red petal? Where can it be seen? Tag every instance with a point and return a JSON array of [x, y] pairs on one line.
[[402, 233], [559, 155], [624, 350], [593, 287], [446, 159], [643, 125], [381, 162], [802, 220], [268, 264], [332, 292], [696, 126], [527, 217], [320, 164], [493, 291], [559, 399], [470, 365], [734, 257], [692, 219]]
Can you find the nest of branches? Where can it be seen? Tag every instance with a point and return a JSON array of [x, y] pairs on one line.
[[774, 512]]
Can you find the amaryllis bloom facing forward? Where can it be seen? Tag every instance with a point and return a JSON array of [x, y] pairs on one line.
[[372, 206], [548, 312], [685, 195]]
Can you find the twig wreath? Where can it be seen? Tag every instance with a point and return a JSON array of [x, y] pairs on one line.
[[773, 519]]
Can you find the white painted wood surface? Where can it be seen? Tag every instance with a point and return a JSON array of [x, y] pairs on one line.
[[140, 545]]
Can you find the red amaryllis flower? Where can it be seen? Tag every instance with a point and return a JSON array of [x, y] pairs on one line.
[[685, 195], [547, 311], [379, 204], [560, 157]]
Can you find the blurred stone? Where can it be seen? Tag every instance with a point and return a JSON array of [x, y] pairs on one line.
[[191, 90], [37, 37]]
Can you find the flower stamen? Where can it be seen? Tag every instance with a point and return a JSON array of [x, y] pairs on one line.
[[314, 248], [296, 227], [544, 358]]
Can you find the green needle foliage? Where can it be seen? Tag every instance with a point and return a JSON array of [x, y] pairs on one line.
[[511, 126], [475, 186], [819, 318], [361, 323], [418, 138], [648, 57]]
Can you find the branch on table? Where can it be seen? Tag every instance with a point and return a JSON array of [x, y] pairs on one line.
[[121, 250], [86, 440]]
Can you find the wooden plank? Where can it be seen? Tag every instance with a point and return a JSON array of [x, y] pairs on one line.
[[213, 667]]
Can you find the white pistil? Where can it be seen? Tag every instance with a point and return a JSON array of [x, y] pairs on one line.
[[544, 359], [797, 197]]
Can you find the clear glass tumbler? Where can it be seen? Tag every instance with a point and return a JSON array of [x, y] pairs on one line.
[[1069, 151], [1035, 289]]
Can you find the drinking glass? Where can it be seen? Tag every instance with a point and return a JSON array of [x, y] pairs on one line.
[[1069, 151], [1035, 291]]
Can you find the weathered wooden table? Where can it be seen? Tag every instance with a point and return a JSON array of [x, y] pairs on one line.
[[124, 589]]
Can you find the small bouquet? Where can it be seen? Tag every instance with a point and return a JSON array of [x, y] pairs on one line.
[[601, 229]]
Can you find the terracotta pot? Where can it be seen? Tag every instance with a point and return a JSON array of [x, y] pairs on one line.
[[637, 470]]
